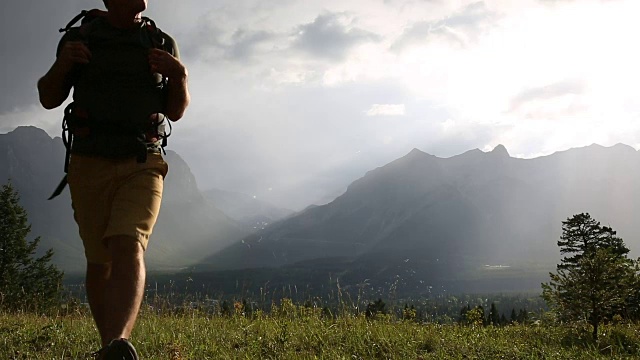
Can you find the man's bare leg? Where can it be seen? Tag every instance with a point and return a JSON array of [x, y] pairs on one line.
[[96, 282], [124, 289]]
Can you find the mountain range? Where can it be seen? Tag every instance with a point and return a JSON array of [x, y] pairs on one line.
[[429, 220], [420, 221], [246, 209], [189, 226]]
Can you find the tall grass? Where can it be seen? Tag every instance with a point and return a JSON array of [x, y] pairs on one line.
[[290, 331]]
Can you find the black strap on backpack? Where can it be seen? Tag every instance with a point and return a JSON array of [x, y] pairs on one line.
[[86, 16], [67, 140], [69, 121]]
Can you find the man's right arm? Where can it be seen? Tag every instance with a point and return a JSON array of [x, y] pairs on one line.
[[55, 85]]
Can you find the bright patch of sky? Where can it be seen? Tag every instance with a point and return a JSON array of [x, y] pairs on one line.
[[386, 109], [293, 100]]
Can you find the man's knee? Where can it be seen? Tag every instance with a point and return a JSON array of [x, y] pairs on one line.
[[124, 247]]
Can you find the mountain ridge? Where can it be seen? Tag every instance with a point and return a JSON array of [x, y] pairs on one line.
[[452, 215], [189, 227], [421, 217]]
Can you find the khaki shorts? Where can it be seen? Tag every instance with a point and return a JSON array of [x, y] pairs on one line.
[[115, 197]]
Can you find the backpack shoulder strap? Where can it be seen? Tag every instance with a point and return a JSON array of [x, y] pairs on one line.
[[86, 16], [155, 34]]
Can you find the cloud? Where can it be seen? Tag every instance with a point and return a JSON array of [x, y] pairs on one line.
[[245, 44], [386, 110], [296, 95], [561, 2], [546, 93], [459, 28], [331, 36], [214, 43], [34, 115], [28, 54], [273, 56], [289, 53], [452, 137]]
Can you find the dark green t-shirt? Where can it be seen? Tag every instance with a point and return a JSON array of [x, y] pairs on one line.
[[116, 88]]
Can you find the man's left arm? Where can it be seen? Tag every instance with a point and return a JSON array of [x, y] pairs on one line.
[[168, 65]]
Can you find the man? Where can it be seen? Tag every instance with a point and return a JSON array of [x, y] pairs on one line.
[[116, 190]]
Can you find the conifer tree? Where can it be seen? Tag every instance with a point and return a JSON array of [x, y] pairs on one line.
[[26, 282], [514, 316], [632, 303], [463, 314], [494, 316], [482, 314], [523, 316], [581, 235], [593, 282]]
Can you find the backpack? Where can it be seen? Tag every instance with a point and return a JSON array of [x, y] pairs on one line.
[[75, 121]]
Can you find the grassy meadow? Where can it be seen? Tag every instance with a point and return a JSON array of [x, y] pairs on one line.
[[288, 331]]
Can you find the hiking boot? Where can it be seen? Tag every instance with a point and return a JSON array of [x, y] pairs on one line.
[[118, 349]]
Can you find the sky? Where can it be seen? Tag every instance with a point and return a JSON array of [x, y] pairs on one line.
[[292, 100]]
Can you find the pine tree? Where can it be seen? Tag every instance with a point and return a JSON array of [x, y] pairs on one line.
[[482, 314], [581, 235], [632, 303], [494, 316], [593, 283], [463, 314], [523, 316], [514, 316], [26, 282]]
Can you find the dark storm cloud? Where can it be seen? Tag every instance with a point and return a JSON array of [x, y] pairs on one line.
[[330, 36], [567, 87], [29, 36], [466, 23]]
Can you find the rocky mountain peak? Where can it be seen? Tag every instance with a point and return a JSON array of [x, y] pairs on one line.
[[29, 132], [623, 148], [500, 150]]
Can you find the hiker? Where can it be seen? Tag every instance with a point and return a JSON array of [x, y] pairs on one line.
[[127, 77]]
